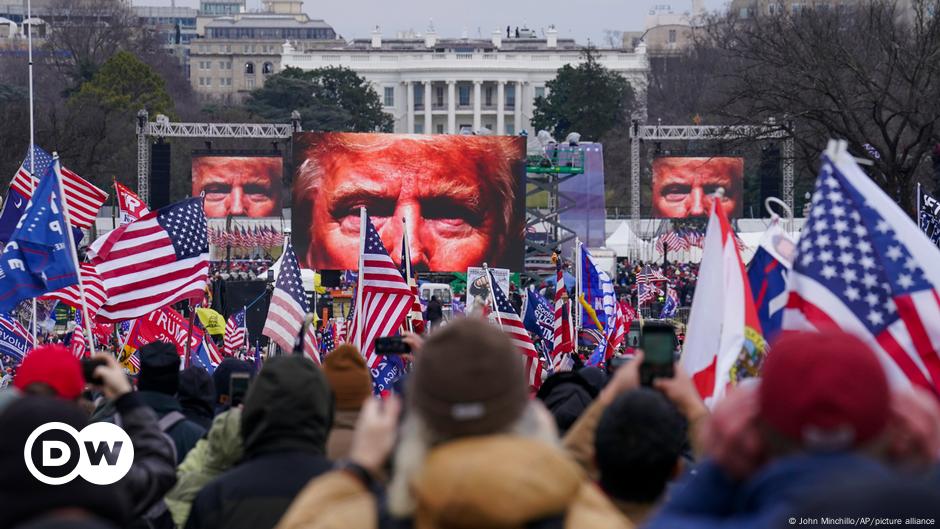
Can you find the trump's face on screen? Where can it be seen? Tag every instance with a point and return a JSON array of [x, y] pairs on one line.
[[685, 186], [457, 195], [239, 185]]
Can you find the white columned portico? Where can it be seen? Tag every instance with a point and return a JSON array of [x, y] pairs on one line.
[[451, 106], [427, 108], [517, 108], [500, 107], [477, 105], [410, 106]]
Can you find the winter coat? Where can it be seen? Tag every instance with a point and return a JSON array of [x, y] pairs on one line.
[[196, 396], [284, 425], [340, 440], [185, 433], [567, 395], [492, 482], [709, 499], [218, 452]]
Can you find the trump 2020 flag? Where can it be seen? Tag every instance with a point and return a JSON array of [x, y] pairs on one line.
[[863, 266], [723, 342], [767, 274], [539, 318], [39, 257]]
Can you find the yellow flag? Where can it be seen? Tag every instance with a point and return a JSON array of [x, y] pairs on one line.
[[211, 320]]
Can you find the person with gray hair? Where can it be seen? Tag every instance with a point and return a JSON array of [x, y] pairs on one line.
[[460, 195], [473, 451]]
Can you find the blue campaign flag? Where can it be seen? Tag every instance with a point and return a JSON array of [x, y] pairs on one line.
[[391, 368], [598, 291], [15, 340], [200, 358], [39, 257], [15, 202], [767, 274], [539, 316], [671, 305]]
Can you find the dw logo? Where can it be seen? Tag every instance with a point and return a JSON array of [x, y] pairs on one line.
[[55, 453]]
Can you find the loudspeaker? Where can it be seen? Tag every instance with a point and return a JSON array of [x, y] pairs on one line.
[[330, 278], [159, 175], [769, 174], [238, 294]]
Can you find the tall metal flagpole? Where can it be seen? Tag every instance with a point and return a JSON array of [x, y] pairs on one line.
[[32, 133], [407, 263], [577, 284], [357, 317], [86, 321], [919, 196]]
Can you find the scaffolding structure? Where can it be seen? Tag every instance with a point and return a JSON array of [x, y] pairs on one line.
[[544, 174], [162, 127]]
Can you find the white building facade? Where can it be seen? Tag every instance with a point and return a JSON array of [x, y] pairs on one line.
[[438, 86]]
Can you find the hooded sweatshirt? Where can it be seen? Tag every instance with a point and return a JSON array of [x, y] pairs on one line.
[[284, 426]]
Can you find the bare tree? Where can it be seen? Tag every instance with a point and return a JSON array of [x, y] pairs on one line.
[[867, 73]]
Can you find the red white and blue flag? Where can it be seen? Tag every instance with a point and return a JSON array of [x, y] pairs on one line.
[[129, 204], [562, 346], [153, 262], [236, 335], [862, 265], [386, 298], [288, 306], [511, 324]]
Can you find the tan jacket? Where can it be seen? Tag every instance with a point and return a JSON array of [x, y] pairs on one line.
[[340, 440], [493, 482]]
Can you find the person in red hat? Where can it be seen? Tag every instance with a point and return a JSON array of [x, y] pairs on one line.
[[821, 416], [51, 370]]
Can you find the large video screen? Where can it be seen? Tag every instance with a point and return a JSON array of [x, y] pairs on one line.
[[243, 186], [463, 198], [683, 186]]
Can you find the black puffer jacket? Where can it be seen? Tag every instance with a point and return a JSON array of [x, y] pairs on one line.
[[287, 417]]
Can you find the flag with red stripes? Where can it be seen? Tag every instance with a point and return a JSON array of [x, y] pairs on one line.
[[864, 266], [511, 324], [561, 339], [84, 199], [386, 298], [152, 262], [415, 315], [94, 291], [311, 347], [78, 345], [288, 306], [236, 336], [129, 204]]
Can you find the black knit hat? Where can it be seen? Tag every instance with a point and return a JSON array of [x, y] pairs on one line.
[[469, 379], [159, 368]]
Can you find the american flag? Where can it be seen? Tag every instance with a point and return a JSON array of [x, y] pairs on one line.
[[512, 325], [311, 347], [328, 344], [95, 294], [236, 335], [152, 262], [78, 346], [386, 298], [617, 332], [84, 199], [288, 306], [340, 327], [561, 326], [416, 315], [644, 288], [865, 267], [673, 241]]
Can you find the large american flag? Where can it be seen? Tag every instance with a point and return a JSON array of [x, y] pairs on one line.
[[511, 324], [84, 199], [152, 262], [864, 266], [95, 295], [561, 326], [236, 336], [288, 306], [78, 346], [311, 347], [386, 298]]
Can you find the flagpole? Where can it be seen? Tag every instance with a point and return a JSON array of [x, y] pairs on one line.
[[407, 263], [32, 131], [577, 283], [86, 321], [919, 226], [363, 216], [489, 281]]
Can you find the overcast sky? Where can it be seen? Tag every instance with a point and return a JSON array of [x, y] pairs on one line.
[[578, 19]]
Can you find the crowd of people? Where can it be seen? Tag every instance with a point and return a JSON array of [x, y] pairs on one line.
[[465, 444], [681, 276]]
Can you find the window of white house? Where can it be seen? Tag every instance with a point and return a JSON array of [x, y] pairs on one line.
[[389, 96]]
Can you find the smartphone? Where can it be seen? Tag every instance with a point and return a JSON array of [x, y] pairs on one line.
[[391, 345], [88, 370], [658, 341], [238, 387]]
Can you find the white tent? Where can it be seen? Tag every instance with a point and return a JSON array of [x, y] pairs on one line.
[[623, 240]]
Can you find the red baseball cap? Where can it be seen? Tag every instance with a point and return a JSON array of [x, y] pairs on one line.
[[55, 366], [824, 390]]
